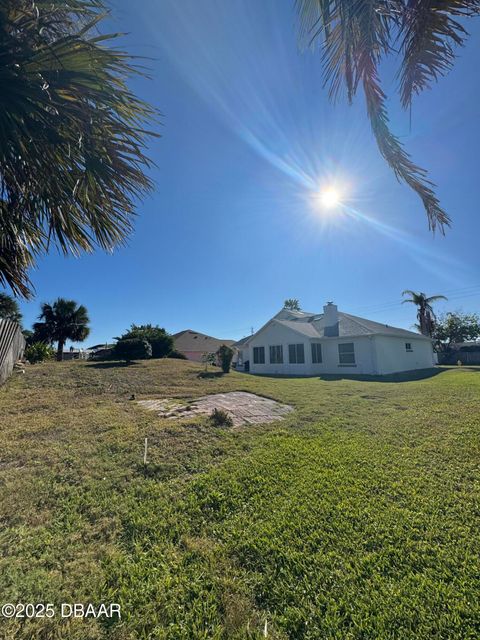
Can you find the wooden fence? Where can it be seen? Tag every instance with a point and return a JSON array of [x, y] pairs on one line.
[[465, 357], [12, 346]]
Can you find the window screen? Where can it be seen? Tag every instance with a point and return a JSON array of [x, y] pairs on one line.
[[316, 352], [346, 353], [276, 354], [296, 353], [259, 355]]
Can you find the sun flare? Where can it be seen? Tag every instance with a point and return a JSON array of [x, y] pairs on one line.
[[330, 197]]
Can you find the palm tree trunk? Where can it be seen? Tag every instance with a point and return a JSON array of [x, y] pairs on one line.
[[61, 344], [423, 320]]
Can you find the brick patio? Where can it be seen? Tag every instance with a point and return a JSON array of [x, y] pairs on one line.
[[244, 408]]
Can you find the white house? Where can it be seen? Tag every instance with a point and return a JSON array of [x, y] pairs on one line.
[[333, 342]]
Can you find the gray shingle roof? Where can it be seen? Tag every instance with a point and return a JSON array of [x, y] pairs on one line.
[[313, 326], [372, 327], [305, 327]]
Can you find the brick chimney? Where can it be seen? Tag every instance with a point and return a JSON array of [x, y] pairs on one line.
[[330, 315]]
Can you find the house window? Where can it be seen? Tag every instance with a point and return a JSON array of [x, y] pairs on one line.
[[346, 353], [296, 354], [258, 355], [408, 346], [316, 352], [276, 354]]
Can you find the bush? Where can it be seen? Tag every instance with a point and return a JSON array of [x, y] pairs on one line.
[[103, 354], [225, 355], [177, 354], [132, 349], [39, 352], [161, 341], [221, 418]]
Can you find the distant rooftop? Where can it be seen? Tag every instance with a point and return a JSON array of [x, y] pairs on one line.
[[189, 340]]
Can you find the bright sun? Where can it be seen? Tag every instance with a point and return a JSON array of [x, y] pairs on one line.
[[330, 197]]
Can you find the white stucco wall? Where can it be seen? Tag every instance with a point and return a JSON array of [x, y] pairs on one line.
[[374, 355], [278, 335], [393, 357]]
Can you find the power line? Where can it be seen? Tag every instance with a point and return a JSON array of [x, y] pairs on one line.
[[464, 292]]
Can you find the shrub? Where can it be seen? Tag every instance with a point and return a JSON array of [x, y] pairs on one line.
[[103, 354], [221, 418], [225, 355], [177, 354], [132, 349], [161, 341], [39, 352]]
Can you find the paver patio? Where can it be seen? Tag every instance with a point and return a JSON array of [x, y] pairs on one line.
[[243, 407]]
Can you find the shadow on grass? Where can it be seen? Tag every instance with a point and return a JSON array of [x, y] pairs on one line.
[[404, 376], [463, 367], [110, 364], [210, 374]]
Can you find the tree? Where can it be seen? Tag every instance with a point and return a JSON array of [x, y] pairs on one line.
[[161, 341], [356, 36], [129, 349], [225, 355], [9, 309], [456, 327], [425, 314], [292, 303], [28, 335], [61, 321], [72, 135]]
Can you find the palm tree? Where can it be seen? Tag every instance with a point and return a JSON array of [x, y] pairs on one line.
[[292, 303], [9, 309], [72, 135], [425, 313], [61, 321], [355, 37]]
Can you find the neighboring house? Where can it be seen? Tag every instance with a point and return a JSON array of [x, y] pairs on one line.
[[12, 346], [463, 352], [77, 354], [194, 345], [333, 342]]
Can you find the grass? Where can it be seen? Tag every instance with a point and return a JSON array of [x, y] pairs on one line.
[[357, 517]]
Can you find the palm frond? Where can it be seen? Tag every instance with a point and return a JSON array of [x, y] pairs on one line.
[[73, 137], [431, 299], [394, 152], [429, 34]]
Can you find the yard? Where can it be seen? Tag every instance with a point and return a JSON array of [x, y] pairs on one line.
[[356, 517]]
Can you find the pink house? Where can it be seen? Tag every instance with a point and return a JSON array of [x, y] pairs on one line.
[[194, 345]]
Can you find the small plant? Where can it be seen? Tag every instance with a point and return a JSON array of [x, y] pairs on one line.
[[39, 352], [221, 418], [225, 355], [132, 349], [209, 358]]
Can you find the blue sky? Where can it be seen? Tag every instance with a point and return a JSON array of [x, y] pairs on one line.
[[248, 136]]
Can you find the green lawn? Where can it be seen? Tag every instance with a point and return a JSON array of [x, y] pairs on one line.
[[357, 517]]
